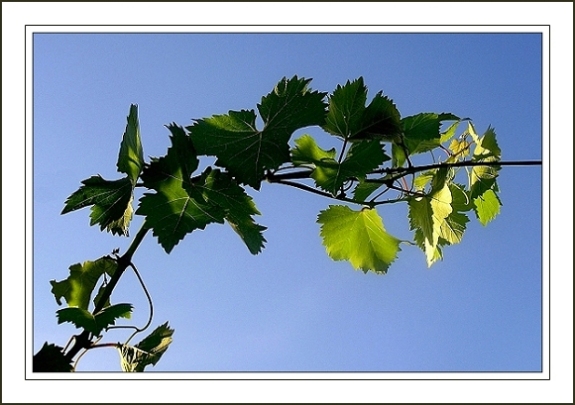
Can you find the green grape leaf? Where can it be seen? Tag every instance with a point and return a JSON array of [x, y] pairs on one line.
[[450, 131], [359, 237], [131, 156], [220, 189], [50, 358], [181, 157], [346, 107], [487, 206], [108, 315], [147, 352], [99, 295], [455, 223], [366, 188], [349, 118], [427, 216], [328, 173], [459, 149], [421, 131], [248, 152], [111, 201], [78, 287], [83, 319], [176, 209]]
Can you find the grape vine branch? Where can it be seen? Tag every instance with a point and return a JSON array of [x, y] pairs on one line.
[[376, 156]]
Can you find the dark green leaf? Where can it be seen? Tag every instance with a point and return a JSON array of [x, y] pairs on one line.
[[111, 200], [346, 108], [81, 318], [50, 358], [108, 315], [421, 131], [349, 118], [221, 190], [248, 152], [78, 287], [366, 188], [180, 158], [176, 209], [381, 120]]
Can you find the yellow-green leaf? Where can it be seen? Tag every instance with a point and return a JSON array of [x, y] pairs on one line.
[[359, 237]]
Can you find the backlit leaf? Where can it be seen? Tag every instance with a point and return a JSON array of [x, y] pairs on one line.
[[483, 178], [487, 206], [359, 237], [131, 156], [328, 173], [427, 216], [111, 200], [111, 203], [148, 351], [78, 287]]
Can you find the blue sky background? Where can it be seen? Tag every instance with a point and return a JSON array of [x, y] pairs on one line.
[[292, 308]]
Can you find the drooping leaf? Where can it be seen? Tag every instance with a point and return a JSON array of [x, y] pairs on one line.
[[487, 206], [50, 358], [78, 287], [147, 352], [427, 216], [248, 152], [111, 200], [483, 182], [454, 226], [359, 237], [175, 209], [220, 189], [328, 173], [111, 203], [131, 156], [349, 118], [99, 295], [450, 131]]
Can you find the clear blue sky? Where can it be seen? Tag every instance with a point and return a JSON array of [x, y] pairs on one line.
[[292, 308]]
